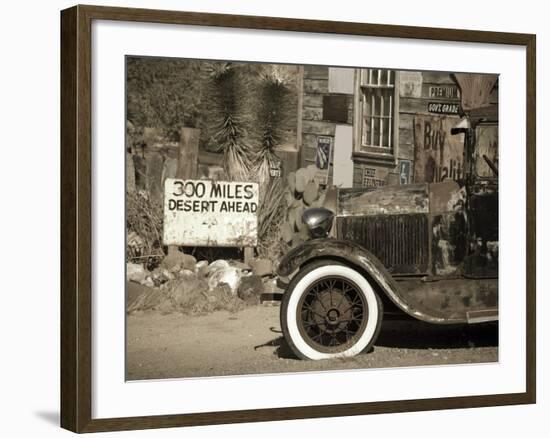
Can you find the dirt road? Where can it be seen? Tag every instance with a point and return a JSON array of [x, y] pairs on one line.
[[250, 342]]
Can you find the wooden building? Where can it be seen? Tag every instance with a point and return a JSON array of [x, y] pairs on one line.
[[385, 126]]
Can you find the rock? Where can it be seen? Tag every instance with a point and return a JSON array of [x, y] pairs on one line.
[[175, 269], [250, 289], [187, 273], [201, 268], [228, 275], [167, 275], [215, 265], [135, 272], [178, 259], [261, 267], [161, 275], [201, 265]]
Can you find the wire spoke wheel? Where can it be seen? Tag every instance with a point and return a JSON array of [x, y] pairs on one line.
[[332, 314], [330, 310]]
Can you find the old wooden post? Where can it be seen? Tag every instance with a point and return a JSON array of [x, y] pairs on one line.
[[248, 254], [188, 159]]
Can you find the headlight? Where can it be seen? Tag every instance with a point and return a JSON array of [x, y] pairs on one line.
[[319, 221]]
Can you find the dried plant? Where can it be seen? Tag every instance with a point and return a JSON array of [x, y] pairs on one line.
[[271, 214], [273, 112], [229, 121], [144, 219]]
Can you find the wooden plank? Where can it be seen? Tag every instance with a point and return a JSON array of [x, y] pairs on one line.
[[406, 121], [316, 86], [316, 72], [406, 136], [406, 151], [309, 154], [309, 141], [312, 113], [358, 175], [413, 105], [317, 127], [313, 100]]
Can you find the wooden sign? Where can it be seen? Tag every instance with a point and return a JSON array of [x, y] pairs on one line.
[[210, 213]]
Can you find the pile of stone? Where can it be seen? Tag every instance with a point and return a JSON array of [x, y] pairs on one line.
[[302, 192], [183, 284]]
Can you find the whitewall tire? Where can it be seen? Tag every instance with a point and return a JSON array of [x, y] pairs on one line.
[[330, 310]]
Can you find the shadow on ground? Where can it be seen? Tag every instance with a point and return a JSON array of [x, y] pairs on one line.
[[416, 335], [421, 335]]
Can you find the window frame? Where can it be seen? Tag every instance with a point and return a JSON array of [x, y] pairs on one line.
[[372, 154]]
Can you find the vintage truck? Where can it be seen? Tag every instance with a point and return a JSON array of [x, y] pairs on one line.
[[427, 251]]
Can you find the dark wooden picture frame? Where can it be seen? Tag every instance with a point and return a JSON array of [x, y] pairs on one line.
[[76, 217]]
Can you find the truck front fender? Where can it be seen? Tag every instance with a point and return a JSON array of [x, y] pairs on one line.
[[360, 258]]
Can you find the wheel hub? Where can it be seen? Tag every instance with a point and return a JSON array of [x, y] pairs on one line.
[[332, 313]]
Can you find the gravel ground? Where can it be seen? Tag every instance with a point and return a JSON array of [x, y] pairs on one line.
[[250, 342]]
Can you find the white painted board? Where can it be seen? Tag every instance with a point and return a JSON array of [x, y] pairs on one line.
[[341, 80], [343, 162], [210, 213]]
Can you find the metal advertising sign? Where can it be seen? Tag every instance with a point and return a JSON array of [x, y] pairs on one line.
[[210, 213], [322, 158], [444, 108], [371, 179], [444, 92], [405, 171]]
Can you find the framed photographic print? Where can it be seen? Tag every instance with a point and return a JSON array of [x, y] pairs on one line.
[[274, 226]]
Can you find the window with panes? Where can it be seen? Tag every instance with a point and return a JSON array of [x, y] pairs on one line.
[[378, 101]]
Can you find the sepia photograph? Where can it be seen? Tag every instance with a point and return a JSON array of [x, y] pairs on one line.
[[302, 218]]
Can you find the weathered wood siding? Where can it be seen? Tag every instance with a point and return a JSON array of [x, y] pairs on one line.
[[316, 86], [414, 99]]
